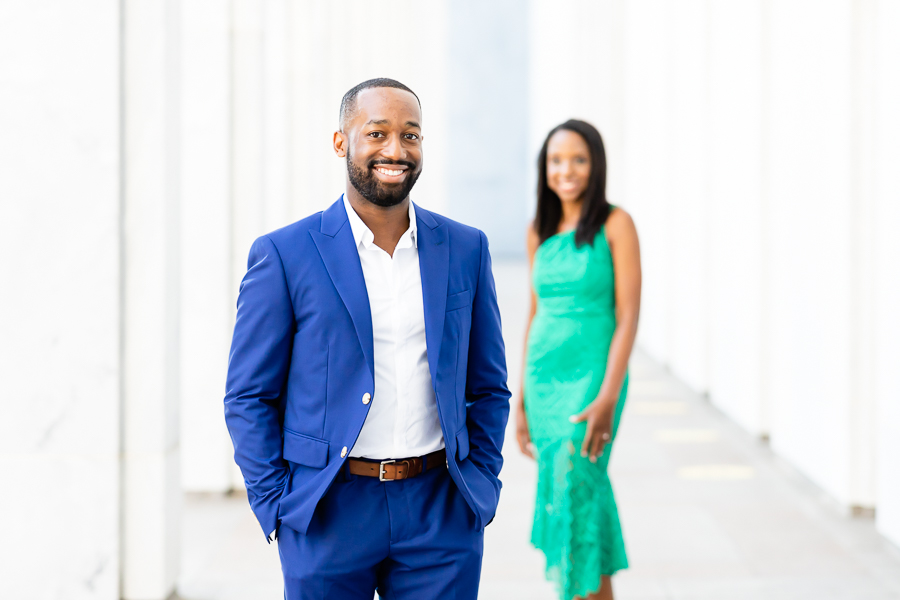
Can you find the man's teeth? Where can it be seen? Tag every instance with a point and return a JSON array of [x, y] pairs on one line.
[[389, 172]]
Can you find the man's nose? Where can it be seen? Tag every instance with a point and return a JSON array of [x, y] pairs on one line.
[[393, 149]]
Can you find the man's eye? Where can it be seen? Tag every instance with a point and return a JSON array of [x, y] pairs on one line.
[[412, 136], [376, 134]]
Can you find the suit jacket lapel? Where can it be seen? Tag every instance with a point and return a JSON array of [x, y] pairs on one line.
[[434, 266], [338, 250]]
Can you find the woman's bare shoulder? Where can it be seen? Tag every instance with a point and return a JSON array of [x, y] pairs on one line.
[[620, 224], [532, 239]]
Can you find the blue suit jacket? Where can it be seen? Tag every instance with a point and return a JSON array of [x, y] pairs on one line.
[[302, 358]]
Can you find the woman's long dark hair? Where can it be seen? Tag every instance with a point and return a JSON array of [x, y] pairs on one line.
[[595, 209]]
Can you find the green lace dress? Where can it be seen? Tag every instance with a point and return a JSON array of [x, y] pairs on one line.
[[576, 523]]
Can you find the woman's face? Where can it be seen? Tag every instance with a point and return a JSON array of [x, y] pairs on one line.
[[568, 165]]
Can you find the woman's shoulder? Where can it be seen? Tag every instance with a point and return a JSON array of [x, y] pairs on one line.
[[619, 223], [532, 239]]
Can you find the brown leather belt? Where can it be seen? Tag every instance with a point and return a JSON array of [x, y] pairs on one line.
[[395, 470]]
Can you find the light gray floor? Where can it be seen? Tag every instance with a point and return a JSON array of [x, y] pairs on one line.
[[708, 512]]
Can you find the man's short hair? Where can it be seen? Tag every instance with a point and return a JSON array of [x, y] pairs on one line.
[[348, 102]]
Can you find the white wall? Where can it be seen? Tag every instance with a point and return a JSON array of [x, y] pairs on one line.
[[89, 224], [811, 238], [150, 299], [643, 160], [737, 212], [688, 286], [886, 285], [207, 287], [59, 326]]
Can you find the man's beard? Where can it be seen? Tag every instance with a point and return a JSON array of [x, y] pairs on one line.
[[373, 190]]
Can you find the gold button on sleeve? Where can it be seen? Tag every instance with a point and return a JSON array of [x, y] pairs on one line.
[[367, 397], [343, 451]]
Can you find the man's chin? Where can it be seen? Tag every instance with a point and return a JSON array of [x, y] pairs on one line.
[[387, 201]]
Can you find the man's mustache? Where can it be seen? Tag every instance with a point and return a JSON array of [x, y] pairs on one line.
[[383, 161]]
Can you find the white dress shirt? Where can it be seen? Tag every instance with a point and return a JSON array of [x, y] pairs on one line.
[[403, 418]]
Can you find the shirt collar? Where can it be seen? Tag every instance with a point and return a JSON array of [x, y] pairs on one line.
[[364, 237]]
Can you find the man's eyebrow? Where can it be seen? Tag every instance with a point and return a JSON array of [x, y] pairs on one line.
[[388, 122]]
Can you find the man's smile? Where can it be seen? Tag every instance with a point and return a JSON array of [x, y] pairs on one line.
[[390, 173]]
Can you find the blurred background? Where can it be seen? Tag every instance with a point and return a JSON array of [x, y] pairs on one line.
[[145, 143]]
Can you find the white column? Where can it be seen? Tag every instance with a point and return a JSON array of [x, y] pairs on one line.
[[687, 162], [59, 309], [810, 274], [311, 124], [275, 114], [247, 93], [644, 166], [862, 420], [207, 292], [737, 212], [886, 293], [247, 132], [150, 476]]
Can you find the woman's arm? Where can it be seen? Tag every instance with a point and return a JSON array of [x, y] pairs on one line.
[[523, 437], [626, 255]]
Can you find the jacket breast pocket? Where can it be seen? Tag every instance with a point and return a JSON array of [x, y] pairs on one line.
[[304, 450], [460, 300]]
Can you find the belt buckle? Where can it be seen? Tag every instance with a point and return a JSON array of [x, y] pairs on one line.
[[381, 470]]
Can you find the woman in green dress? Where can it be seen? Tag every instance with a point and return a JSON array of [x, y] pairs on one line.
[[586, 287]]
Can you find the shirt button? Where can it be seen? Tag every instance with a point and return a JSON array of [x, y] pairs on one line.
[[343, 451], [367, 397]]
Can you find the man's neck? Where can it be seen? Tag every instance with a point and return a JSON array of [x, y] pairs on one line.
[[387, 223]]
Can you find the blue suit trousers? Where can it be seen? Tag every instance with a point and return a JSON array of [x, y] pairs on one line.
[[414, 539]]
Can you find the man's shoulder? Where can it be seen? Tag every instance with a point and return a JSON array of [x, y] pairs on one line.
[[296, 232], [459, 231]]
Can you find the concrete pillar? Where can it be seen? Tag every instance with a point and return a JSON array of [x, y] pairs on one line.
[[312, 186], [276, 150], [60, 309], [886, 292], [247, 105], [644, 166], [812, 240], [151, 491], [737, 212], [207, 293], [688, 151], [862, 420]]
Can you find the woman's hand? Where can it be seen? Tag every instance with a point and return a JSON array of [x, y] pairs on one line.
[[599, 416], [522, 434]]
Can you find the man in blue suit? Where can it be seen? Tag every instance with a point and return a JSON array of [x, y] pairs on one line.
[[366, 394]]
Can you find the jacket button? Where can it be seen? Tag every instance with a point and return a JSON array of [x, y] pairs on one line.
[[343, 451], [367, 397]]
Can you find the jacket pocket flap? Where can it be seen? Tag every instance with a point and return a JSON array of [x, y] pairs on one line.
[[462, 443], [459, 300], [305, 450]]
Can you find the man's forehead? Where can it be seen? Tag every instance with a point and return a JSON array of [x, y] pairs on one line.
[[381, 103]]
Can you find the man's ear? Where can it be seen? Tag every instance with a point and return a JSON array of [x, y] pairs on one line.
[[340, 144]]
